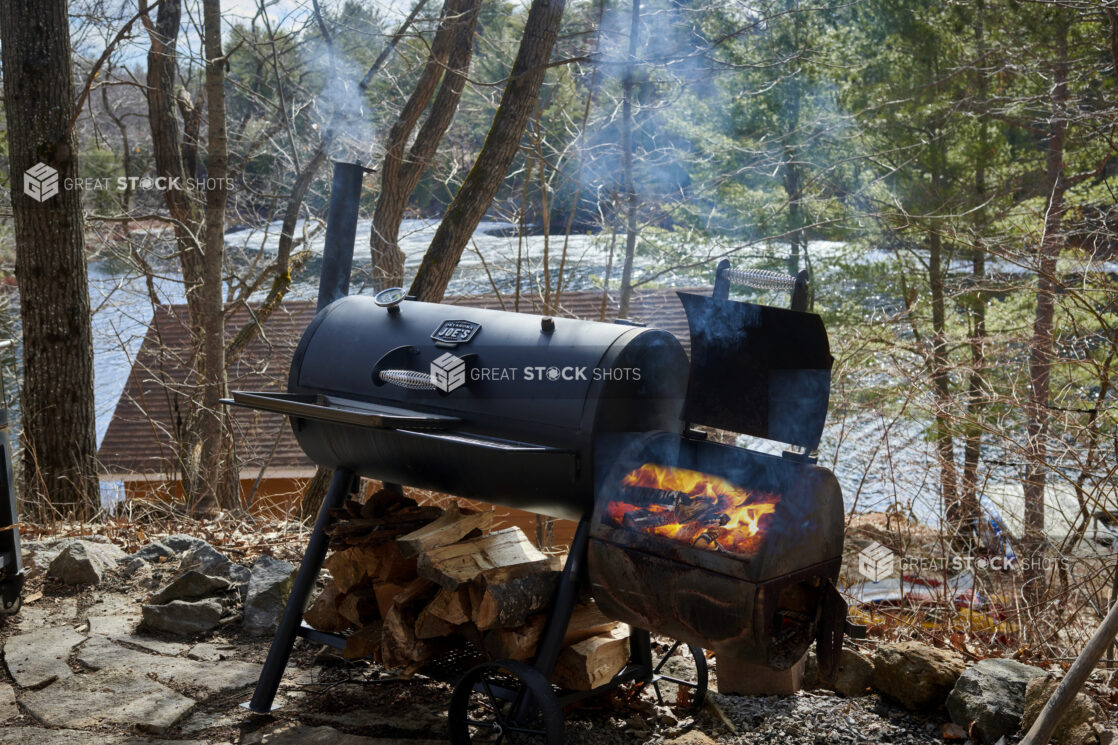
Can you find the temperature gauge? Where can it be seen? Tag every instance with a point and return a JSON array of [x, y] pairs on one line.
[[390, 299]]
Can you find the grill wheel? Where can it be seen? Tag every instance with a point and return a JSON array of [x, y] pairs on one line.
[[505, 701]]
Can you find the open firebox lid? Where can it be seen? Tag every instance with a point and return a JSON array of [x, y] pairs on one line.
[[757, 370]]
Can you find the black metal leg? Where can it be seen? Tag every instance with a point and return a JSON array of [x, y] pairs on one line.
[[280, 652], [640, 648], [566, 596]]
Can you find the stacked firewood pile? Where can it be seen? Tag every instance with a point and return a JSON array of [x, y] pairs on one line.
[[412, 582]]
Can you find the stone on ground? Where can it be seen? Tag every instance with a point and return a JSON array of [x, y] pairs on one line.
[[854, 676], [191, 585], [915, 675], [110, 697], [992, 695], [694, 737], [1078, 726], [8, 708], [209, 561], [39, 657], [268, 588], [83, 562], [211, 652], [210, 677], [183, 618]]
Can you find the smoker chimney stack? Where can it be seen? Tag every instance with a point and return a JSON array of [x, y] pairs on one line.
[[341, 233]]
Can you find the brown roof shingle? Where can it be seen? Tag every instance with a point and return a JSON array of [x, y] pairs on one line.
[[141, 436]]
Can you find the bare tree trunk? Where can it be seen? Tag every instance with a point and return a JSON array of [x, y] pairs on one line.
[[1041, 347], [972, 436], [627, 84], [451, 51], [217, 452], [59, 443], [200, 438], [501, 146], [945, 444]]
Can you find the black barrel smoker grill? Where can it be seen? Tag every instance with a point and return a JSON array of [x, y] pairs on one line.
[[716, 546]]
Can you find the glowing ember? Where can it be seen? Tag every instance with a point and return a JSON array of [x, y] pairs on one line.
[[692, 507]]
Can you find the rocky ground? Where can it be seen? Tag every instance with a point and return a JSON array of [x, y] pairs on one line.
[[165, 644]]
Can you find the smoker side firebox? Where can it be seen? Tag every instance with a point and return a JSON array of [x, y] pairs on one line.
[[717, 546]]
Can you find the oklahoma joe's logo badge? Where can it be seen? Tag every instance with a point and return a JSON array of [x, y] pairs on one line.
[[40, 182]]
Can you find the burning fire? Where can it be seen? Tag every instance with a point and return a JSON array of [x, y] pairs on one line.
[[696, 508]]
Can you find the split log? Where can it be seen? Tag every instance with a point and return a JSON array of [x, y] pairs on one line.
[[323, 613], [516, 644], [452, 606], [451, 527], [386, 592], [508, 604], [498, 556], [430, 626], [520, 643], [593, 662], [587, 621], [399, 645], [384, 502], [365, 642], [360, 607], [443, 615], [374, 532], [393, 566], [351, 567]]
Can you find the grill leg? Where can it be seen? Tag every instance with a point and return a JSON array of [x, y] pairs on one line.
[[280, 652], [574, 573]]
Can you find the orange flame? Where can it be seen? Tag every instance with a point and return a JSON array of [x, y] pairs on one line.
[[709, 512]]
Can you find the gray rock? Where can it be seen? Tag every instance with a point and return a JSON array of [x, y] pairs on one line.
[[209, 561], [992, 695], [854, 676], [917, 676], [152, 552], [192, 585], [114, 625], [182, 617], [155, 646], [204, 558], [81, 562], [209, 652], [181, 543], [106, 698], [8, 707], [209, 677], [39, 657], [1078, 725], [268, 588]]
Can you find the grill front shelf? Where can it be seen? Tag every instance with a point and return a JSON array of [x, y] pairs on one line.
[[341, 410]]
